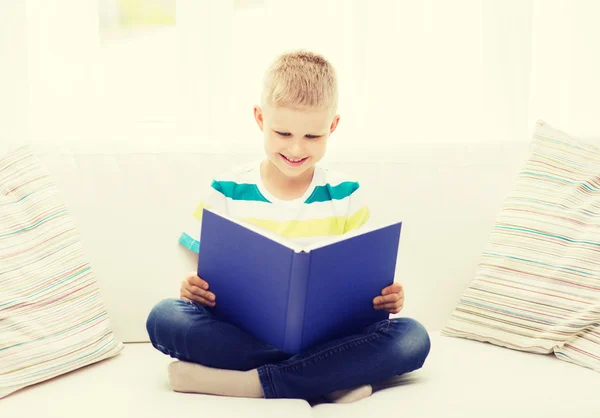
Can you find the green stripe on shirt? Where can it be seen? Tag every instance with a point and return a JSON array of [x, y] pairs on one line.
[[242, 191], [189, 242], [328, 192]]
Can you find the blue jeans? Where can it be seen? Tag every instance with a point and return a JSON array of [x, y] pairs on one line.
[[188, 331]]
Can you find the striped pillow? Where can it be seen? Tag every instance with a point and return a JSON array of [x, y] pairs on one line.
[[537, 287], [51, 318], [583, 348]]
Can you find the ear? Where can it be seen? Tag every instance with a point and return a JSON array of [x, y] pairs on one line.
[[334, 124], [258, 116]]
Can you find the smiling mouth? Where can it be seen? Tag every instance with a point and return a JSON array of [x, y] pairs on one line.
[[293, 161]]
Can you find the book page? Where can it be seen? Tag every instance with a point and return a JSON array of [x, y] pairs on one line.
[[297, 247]]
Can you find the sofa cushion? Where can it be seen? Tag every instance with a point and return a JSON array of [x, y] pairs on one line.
[[537, 287], [468, 379], [52, 320], [134, 384], [461, 378]]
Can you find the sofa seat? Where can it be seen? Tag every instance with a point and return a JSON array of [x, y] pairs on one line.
[[461, 378]]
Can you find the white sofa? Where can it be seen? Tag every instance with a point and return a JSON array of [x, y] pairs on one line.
[[130, 202]]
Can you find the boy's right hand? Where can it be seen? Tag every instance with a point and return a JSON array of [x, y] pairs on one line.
[[193, 288]]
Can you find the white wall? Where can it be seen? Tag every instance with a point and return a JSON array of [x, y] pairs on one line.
[[427, 70], [14, 67], [62, 43], [565, 65]]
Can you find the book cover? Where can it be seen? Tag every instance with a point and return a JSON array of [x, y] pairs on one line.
[[290, 297]]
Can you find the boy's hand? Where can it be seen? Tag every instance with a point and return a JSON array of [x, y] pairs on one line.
[[391, 299], [193, 288]]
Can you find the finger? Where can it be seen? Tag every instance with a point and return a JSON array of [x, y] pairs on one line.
[[187, 294], [390, 304], [197, 281], [394, 297], [394, 288], [390, 307], [202, 293]]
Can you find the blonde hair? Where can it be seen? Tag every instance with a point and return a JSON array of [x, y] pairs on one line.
[[301, 79]]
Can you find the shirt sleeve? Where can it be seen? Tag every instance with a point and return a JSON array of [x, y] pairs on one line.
[[358, 210], [215, 201]]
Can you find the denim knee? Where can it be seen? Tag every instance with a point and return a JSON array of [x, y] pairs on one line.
[[166, 316], [411, 344]]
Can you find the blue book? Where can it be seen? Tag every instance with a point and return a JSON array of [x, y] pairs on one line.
[[290, 297]]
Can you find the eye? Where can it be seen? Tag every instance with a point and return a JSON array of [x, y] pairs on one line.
[[283, 133], [313, 136]]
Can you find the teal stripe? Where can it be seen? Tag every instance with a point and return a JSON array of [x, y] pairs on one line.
[[531, 231], [48, 186], [189, 242], [581, 211], [327, 192], [102, 314], [35, 225], [563, 143], [45, 289], [241, 191], [507, 312], [559, 179], [539, 263], [74, 362]]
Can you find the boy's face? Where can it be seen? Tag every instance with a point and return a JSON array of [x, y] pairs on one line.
[[295, 140]]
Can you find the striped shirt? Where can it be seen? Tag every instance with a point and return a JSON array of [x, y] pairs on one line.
[[332, 205]]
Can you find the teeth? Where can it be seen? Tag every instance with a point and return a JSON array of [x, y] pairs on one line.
[[294, 161]]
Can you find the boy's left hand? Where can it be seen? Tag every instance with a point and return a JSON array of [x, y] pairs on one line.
[[391, 299]]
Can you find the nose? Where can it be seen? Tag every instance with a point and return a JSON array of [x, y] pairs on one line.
[[296, 148]]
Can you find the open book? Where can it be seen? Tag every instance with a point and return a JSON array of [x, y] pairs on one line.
[[294, 297]]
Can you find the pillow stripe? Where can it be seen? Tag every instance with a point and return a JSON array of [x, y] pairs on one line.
[[52, 319], [537, 286]]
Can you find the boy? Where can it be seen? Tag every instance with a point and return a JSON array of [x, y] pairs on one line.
[[292, 196]]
